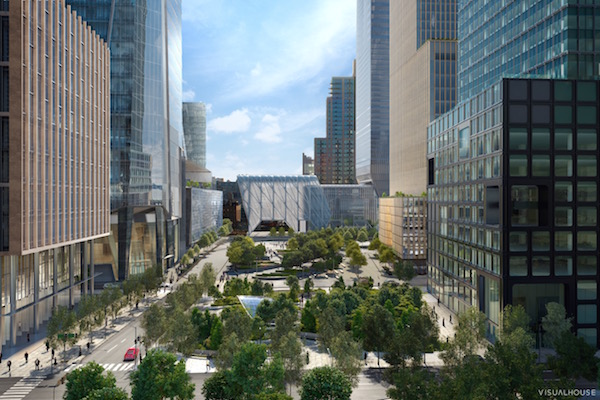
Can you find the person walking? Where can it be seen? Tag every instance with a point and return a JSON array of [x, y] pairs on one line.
[[8, 364], [37, 364], [26, 357]]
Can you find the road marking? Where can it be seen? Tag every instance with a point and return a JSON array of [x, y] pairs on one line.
[[21, 389], [109, 350], [123, 340], [109, 367]]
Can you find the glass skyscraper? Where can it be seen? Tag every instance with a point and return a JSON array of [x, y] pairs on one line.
[[146, 126], [373, 94], [194, 127], [547, 39]]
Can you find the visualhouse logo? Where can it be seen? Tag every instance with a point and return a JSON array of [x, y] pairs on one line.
[[567, 392]]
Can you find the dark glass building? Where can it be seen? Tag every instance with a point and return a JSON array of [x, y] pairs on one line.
[[146, 129], [373, 94]]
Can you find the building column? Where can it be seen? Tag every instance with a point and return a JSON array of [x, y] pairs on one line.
[[55, 277], [36, 292], [92, 267], [85, 266], [71, 280], [13, 299]]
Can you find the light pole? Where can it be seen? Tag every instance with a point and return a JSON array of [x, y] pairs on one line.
[[135, 356]]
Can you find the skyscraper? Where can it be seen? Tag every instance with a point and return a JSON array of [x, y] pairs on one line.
[[54, 160], [334, 154], [308, 165], [146, 129], [194, 128], [513, 168], [373, 94], [422, 87]]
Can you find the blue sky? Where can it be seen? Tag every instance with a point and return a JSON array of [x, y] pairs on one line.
[[263, 68]]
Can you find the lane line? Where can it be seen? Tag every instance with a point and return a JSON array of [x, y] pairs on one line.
[[109, 350]]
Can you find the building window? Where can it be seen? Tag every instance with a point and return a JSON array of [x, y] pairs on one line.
[[586, 314], [586, 265], [563, 216], [586, 216], [517, 139], [518, 241], [563, 139], [562, 91], [586, 240], [518, 165], [563, 266], [540, 266], [563, 166], [540, 241], [540, 139], [587, 290], [586, 191], [518, 266], [563, 192], [563, 114], [563, 241], [525, 206], [540, 165], [586, 139], [586, 166]]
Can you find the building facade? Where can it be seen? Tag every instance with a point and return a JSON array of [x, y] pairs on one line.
[[194, 128], [147, 144], [334, 154], [308, 165], [541, 38], [423, 50], [513, 201], [373, 94], [55, 160], [297, 200], [205, 210], [351, 205]]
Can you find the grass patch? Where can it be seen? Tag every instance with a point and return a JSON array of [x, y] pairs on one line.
[[227, 301]]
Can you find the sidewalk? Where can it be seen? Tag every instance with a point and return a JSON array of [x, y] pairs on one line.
[[37, 348]]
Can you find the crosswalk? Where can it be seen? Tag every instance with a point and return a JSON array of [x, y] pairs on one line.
[[118, 367], [21, 389]]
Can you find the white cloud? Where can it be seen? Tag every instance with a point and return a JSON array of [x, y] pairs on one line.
[[237, 121], [257, 70], [270, 130], [208, 108], [189, 95]]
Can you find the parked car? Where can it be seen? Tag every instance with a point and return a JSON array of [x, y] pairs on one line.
[[131, 354]]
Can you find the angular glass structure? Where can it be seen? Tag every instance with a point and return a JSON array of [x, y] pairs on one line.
[[373, 94], [205, 212], [297, 200], [351, 205]]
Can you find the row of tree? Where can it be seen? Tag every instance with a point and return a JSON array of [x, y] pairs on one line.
[[159, 376], [243, 252], [66, 324], [402, 269], [173, 324], [281, 232]]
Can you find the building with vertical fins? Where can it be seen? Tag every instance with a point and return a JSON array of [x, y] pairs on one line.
[[194, 129], [54, 160], [147, 178], [334, 154], [513, 168], [423, 50], [373, 94]]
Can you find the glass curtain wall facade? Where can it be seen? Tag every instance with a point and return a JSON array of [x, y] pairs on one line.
[[351, 205], [146, 125], [542, 38], [297, 200], [205, 210], [373, 94], [514, 198], [334, 154], [54, 161], [194, 128]]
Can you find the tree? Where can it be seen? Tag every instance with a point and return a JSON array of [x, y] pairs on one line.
[[285, 322], [374, 245], [362, 236], [290, 231], [329, 324], [325, 383], [207, 277], [290, 350], [250, 375], [555, 323], [386, 254], [347, 354], [108, 393], [182, 333], [154, 321], [82, 381], [411, 383], [404, 270], [216, 387], [236, 320], [216, 334], [292, 282], [379, 328], [292, 244], [281, 231], [574, 358], [308, 285], [160, 376], [185, 260], [469, 338], [62, 322]]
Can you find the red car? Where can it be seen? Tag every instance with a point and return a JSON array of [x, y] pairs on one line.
[[131, 354]]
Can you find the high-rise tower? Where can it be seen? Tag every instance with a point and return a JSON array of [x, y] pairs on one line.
[[373, 94]]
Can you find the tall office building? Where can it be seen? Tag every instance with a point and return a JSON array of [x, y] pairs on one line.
[[194, 128], [54, 160], [513, 169], [422, 87], [373, 94], [334, 154], [147, 145]]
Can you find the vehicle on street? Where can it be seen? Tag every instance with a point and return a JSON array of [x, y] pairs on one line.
[[131, 354]]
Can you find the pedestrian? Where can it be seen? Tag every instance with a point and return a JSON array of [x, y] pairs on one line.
[[28, 338], [438, 301], [137, 303], [26, 357], [443, 323], [8, 363], [450, 318], [365, 358], [79, 351], [0, 357], [52, 353], [37, 363], [88, 346], [47, 345]]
